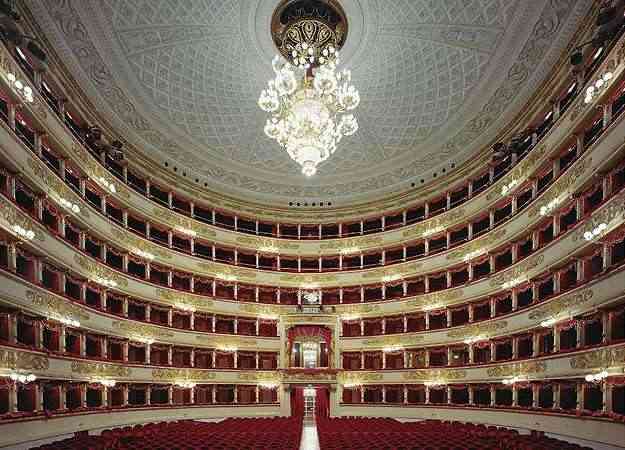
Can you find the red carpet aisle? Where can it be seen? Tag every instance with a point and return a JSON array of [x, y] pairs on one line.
[[229, 434], [389, 434]]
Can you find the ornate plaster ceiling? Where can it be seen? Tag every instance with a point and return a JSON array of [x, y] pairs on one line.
[[179, 80]]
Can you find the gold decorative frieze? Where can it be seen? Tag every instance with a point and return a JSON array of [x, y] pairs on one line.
[[559, 190], [183, 224], [19, 223], [141, 331], [352, 245], [442, 375], [477, 247], [561, 306], [56, 307], [228, 342], [16, 360], [56, 188], [267, 245], [601, 220], [309, 281], [260, 377], [182, 374], [393, 341], [436, 299], [519, 173], [392, 273], [226, 273], [519, 369], [356, 310], [599, 359], [184, 301], [98, 173], [100, 369], [99, 273], [305, 376], [356, 378], [434, 225], [481, 330], [267, 311], [139, 246], [517, 274]]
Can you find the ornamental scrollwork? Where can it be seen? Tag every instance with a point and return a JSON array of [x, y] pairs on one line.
[[258, 376], [356, 244], [138, 330], [483, 330], [267, 244], [557, 307], [392, 273], [182, 223], [391, 341], [438, 375], [98, 173], [521, 171], [100, 369], [435, 225], [359, 377], [517, 274], [182, 374], [11, 214], [16, 360], [99, 273], [260, 310], [56, 307], [228, 343], [560, 188], [56, 188], [436, 299], [616, 210], [221, 271], [133, 243], [599, 359], [357, 310], [309, 279], [520, 369], [479, 245], [182, 299]]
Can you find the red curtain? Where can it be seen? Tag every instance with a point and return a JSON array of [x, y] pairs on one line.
[[322, 402], [297, 402]]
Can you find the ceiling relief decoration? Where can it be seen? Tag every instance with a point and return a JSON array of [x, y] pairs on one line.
[[179, 83]]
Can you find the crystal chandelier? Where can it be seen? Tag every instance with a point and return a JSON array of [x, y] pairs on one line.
[[309, 99]]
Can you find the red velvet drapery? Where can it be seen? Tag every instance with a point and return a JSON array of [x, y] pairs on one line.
[[322, 402], [297, 402]]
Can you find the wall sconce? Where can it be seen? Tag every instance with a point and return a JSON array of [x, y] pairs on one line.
[[21, 377], [23, 233], [596, 377], [142, 253], [21, 87], [106, 382], [73, 207], [185, 384], [110, 186], [186, 231], [596, 231]]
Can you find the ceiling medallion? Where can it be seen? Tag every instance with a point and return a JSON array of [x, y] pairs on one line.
[[309, 99]]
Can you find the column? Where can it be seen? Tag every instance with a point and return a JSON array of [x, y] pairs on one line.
[[470, 389]]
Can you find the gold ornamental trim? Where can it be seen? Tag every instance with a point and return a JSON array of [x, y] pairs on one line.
[[481, 245], [519, 369], [565, 304], [599, 359], [308, 280], [483, 331], [98, 173], [55, 187], [392, 341], [309, 377], [181, 299], [134, 243], [226, 273], [229, 342], [99, 273], [353, 244], [16, 360], [359, 377], [259, 377], [100, 369], [392, 273], [616, 210], [182, 223], [436, 225], [357, 309], [517, 175], [517, 274], [436, 375], [56, 307], [269, 311], [141, 331], [436, 299], [560, 189], [13, 216], [267, 245], [182, 374]]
